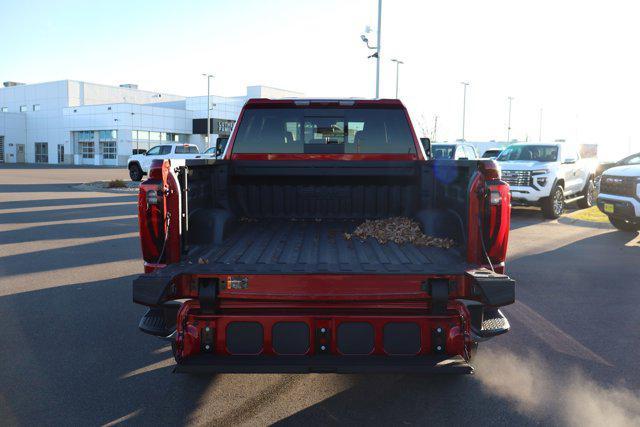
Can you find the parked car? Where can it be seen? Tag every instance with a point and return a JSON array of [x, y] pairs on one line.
[[453, 151], [619, 196], [492, 153], [256, 268], [221, 145], [548, 175], [138, 164]]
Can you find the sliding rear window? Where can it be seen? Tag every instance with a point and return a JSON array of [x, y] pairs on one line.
[[324, 130]]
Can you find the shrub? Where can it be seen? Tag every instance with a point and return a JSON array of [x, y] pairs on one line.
[[116, 183]]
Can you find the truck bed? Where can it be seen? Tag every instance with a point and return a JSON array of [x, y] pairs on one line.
[[280, 246]]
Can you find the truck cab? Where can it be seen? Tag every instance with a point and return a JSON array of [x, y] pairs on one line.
[[139, 164], [459, 150], [253, 261], [548, 176]]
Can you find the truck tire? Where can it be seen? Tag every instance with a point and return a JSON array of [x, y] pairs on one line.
[[553, 206], [624, 225], [589, 194], [135, 172]]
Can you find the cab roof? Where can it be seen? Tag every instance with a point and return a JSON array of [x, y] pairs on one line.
[[322, 102]]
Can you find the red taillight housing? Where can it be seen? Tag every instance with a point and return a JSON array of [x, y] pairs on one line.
[[490, 169], [497, 220], [489, 216], [151, 219], [158, 215]]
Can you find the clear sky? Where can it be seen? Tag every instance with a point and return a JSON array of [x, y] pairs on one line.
[[577, 60]]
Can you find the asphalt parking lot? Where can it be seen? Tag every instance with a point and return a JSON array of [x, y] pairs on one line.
[[71, 352]]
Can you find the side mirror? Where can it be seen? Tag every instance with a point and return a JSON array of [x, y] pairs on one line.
[[426, 144], [221, 144]]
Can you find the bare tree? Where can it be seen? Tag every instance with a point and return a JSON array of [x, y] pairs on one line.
[[423, 128]]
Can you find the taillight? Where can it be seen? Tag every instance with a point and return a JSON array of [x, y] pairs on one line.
[[497, 220], [157, 202], [151, 220]]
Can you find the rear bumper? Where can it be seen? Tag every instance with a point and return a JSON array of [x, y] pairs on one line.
[[302, 338], [325, 364], [424, 326]]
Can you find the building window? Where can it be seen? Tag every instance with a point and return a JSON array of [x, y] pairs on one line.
[[85, 135], [86, 149], [143, 134], [60, 153], [5, 109], [23, 108], [154, 136], [108, 135], [176, 137], [36, 107], [42, 152], [109, 150]]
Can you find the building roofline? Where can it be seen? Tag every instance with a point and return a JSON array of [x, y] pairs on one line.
[[275, 88]]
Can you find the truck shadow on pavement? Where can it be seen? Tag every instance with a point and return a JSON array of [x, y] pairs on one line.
[[74, 354]]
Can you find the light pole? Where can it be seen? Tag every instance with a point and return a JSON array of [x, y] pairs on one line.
[[376, 54], [464, 106], [379, 48], [209, 76], [540, 127], [510, 98], [398, 62]]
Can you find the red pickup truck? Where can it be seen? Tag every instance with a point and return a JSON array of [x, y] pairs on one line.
[[251, 264]]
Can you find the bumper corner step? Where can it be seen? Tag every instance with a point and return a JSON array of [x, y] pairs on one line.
[[159, 321], [493, 323]]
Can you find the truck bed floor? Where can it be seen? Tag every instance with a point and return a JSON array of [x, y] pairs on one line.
[[304, 247]]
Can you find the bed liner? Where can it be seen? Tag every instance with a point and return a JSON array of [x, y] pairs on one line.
[[293, 247]]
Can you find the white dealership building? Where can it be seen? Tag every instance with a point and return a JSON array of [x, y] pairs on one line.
[[74, 122]]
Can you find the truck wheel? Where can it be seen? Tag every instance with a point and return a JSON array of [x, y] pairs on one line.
[[624, 225], [589, 194], [553, 206], [135, 172]]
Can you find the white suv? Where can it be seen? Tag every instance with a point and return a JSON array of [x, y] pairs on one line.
[[549, 176], [139, 164], [619, 196]]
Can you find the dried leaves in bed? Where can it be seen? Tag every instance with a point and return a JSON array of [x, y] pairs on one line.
[[397, 230]]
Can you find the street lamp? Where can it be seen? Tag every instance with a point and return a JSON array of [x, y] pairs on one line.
[[540, 127], [510, 98], [209, 76], [398, 62], [464, 105], [377, 48]]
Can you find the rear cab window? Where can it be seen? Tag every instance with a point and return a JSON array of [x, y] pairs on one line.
[[470, 152], [324, 130], [186, 149], [443, 151]]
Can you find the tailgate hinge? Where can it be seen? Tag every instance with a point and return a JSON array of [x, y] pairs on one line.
[[439, 291], [207, 294]]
